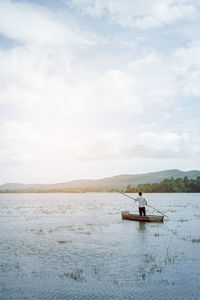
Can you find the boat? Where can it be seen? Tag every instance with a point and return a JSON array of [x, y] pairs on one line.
[[149, 218]]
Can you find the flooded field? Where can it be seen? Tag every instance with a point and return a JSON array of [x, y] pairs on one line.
[[75, 246]]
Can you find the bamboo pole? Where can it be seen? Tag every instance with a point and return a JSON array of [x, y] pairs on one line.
[[136, 200]]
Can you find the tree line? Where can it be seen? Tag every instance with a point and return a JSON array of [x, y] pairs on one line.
[[178, 185], [172, 185]]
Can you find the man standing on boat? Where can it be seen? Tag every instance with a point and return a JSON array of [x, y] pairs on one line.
[[142, 202]]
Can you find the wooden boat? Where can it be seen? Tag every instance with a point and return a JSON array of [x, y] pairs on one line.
[[149, 218]]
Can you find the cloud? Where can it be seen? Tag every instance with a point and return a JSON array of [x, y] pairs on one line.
[[48, 79], [32, 80], [17, 131], [38, 76], [140, 14], [155, 145], [23, 143], [155, 80], [162, 80], [16, 141], [187, 68], [35, 25], [35, 148]]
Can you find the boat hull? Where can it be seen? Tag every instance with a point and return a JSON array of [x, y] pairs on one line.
[[133, 217]]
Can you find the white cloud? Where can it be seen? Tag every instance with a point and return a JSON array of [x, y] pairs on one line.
[[17, 131], [16, 141], [141, 14], [162, 80], [155, 80], [161, 145], [187, 67], [33, 80], [13, 157], [114, 91], [22, 143], [35, 148], [168, 145], [148, 144], [46, 78], [34, 25]]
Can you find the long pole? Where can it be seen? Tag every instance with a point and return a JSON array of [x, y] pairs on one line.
[[136, 200]]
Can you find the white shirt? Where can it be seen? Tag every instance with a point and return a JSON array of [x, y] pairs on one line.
[[142, 201]]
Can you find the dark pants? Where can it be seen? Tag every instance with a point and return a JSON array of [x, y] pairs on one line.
[[142, 210]]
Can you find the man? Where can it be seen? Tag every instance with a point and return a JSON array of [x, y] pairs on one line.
[[142, 203]]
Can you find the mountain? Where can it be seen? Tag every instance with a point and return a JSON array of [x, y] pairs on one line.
[[104, 184]]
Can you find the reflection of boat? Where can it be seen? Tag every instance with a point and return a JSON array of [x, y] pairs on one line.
[[148, 218]]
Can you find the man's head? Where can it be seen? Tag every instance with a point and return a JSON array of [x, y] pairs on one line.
[[140, 194]]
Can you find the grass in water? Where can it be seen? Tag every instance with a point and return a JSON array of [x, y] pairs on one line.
[[195, 240], [68, 227], [64, 242], [156, 234], [40, 231], [149, 258], [76, 275], [84, 232]]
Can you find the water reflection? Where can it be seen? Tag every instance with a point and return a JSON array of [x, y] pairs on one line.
[[142, 226]]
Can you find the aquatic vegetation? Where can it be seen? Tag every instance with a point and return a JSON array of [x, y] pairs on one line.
[[195, 240], [149, 258], [156, 234], [18, 267], [155, 268], [116, 282], [80, 228], [170, 259], [67, 227], [4, 267], [95, 253], [144, 272], [165, 281], [34, 273], [40, 231], [76, 275], [84, 232], [45, 211], [62, 242], [96, 271]]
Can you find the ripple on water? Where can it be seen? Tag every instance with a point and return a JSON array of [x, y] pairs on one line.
[[120, 260]]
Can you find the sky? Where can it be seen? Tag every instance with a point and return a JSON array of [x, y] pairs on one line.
[[96, 88]]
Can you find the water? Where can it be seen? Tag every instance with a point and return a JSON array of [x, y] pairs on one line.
[[75, 246]]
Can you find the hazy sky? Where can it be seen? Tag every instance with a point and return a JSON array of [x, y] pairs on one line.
[[95, 88]]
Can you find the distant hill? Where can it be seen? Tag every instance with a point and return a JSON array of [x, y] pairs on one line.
[[104, 184]]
